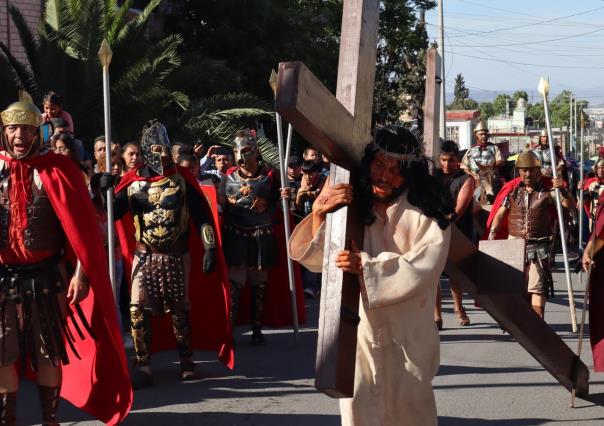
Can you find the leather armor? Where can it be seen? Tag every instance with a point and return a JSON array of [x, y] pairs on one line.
[[250, 200], [159, 209], [43, 230], [530, 215]]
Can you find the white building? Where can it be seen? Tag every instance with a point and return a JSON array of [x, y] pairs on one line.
[[460, 126], [506, 123]]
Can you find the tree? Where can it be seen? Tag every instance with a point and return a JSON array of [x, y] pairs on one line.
[[486, 110], [63, 57], [400, 67], [499, 104], [520, 94], [460, 92]]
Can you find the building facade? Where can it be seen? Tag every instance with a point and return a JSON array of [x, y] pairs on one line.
[[32, 13]]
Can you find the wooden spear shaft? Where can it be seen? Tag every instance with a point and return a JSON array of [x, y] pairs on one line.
[[544, 90], [105, 55]]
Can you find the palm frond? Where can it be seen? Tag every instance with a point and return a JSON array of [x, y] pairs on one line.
[[28, 40], [269, 152], [25, 77]]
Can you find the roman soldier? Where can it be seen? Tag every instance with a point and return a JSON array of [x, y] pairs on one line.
[[544, 156], [166, 207], [525, 208], [51, 259], [249, 195], [482, 161], [594, 187]]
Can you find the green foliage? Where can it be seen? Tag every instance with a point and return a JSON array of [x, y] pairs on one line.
[[499, 104], [461, 96], [520, 94], [63, 57], [215, 120], [486, 110], [400, 69]]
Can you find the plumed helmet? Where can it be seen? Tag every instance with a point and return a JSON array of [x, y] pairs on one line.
[[155, 134], [481, 126], [599, 163], [543, 133], [245, 145], [21, 113], [527, 159]]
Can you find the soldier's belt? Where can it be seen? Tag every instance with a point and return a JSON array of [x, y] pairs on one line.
[[30, 268], [179, 247], [254, 232]]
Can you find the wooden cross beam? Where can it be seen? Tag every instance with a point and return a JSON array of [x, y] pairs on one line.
[[339, 127], [494, 276]]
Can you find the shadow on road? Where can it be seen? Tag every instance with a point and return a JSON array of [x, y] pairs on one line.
[[461, 421], [236, 419]]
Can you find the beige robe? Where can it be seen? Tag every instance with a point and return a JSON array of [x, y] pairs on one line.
[[398, 343]]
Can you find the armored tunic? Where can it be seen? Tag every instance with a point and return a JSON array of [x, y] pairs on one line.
[[483, 155], [594, 190], [159, 210], [248, 219], [530, 216]]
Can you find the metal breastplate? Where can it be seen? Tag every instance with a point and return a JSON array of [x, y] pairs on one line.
[[545, 159], [43, 230], [159, 210], [530, 214], [485, 156], [250, 200]]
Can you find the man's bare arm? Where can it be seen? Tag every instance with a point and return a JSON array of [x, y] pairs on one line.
[[497, 221], [464, 198]]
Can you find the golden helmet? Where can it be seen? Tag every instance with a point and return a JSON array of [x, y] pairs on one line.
[[543, 133], [481, 126], [527, 159], [21, 113]]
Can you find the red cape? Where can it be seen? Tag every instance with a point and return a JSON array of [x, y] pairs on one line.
[[209, 294], [277, 299], [586, 203], [596, 294], [99, 383], [507, 188]]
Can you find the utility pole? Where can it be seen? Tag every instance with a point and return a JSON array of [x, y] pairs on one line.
[[570, 126], [575, 122], [443, 101]]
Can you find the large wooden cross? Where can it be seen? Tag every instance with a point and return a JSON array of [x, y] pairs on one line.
[[340, 127]]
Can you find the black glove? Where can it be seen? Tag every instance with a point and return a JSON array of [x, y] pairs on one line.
[[209, 244], [107, 181], [209, 260]]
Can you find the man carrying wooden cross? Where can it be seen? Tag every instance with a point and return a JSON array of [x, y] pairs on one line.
[[406, 242]]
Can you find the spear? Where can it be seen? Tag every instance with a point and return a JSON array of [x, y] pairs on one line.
[[544, 90], [105, 55], [285, 207], [580, 207]]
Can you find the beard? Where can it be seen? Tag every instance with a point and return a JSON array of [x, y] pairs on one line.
[[393, 195]]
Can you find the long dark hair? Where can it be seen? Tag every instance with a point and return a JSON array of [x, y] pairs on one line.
[[424, 191]]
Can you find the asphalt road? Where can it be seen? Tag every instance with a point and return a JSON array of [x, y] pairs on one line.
[[485, 378]]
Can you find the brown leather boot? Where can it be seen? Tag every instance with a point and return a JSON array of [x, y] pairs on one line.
[[49, 400], [8, 407], [539, 310]]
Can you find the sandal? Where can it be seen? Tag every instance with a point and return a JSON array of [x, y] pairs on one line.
[[141, 379], [439, 323], [187, 370], [462, 317]]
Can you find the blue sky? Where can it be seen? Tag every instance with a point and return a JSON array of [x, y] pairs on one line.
[[507, 45]]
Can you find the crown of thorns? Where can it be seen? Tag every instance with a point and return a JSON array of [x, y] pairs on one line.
[[398, 146]]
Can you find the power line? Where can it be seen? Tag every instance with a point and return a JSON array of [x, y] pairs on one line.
[[529, 24], [529, 64], [542, 41]]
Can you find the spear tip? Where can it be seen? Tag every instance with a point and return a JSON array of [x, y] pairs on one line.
[[543, 87], [273, 81], [105, 53]]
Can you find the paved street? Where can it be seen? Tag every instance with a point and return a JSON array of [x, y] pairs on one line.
[[485, 377]]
